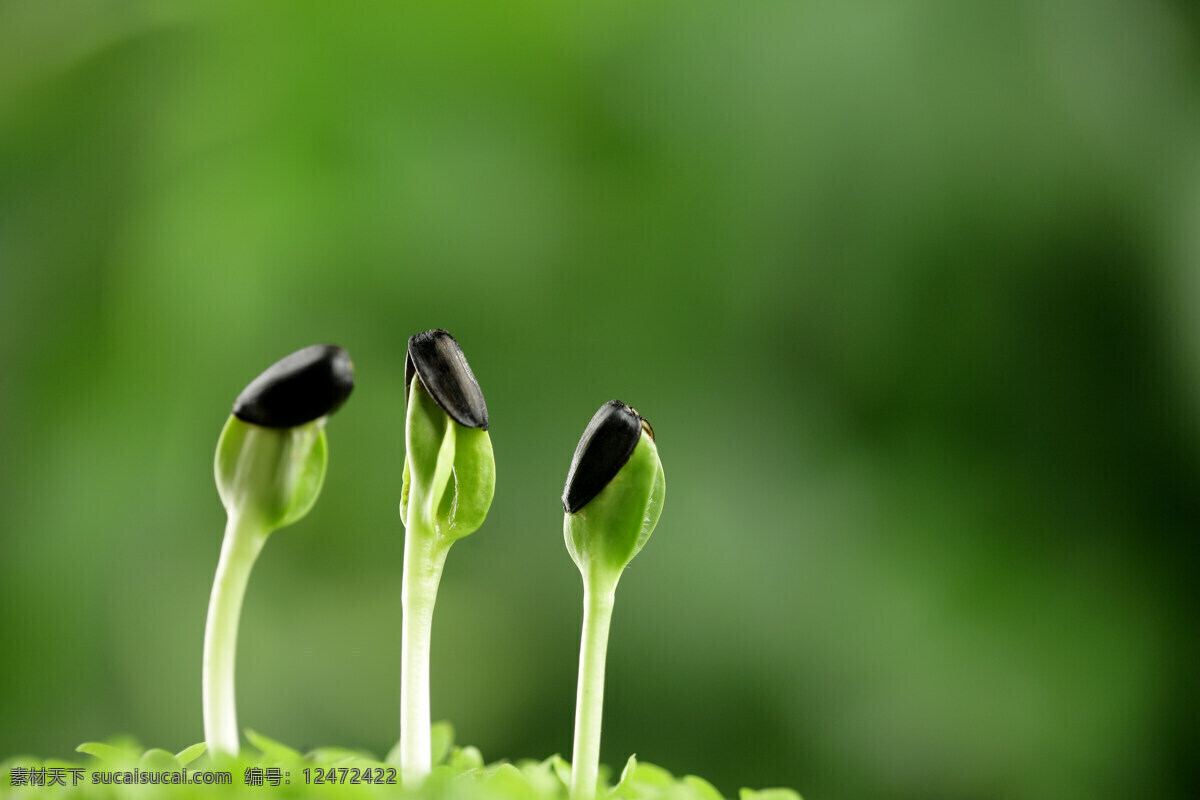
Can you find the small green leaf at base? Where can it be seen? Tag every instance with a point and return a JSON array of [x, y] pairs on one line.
[[157, 760], [102, 751], [625, 783], [122, 752], [509, 783], [561, 768], [652, 775], [189, 754], [437, 783], [271, 748], [702, 789], [769, 794], [541, 777], [441, 740], [465, 758], [340, 756]]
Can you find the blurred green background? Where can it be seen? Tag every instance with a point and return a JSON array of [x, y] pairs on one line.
[[910, 292]]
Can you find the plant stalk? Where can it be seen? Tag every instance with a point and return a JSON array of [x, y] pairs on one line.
[[244, 540], [424, 558], [598, 596]]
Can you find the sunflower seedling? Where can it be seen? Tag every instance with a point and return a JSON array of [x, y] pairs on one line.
[[612, 501], [269, 467], [449, 478]]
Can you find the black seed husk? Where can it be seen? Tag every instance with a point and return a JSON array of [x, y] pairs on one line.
[[606, 445], [309, 383], [438, 361]]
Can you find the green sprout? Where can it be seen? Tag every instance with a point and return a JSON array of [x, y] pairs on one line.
[[269, 467], [449, 479], [613, 498]]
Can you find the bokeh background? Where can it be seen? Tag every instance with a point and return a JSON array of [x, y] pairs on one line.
[[910, 291]]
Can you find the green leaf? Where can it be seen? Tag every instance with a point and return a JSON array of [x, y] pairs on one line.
[[652, 775], [541, 777], [449, 470], [465, 505], [624, 785], [441, 738], [123, 752], [189, 754], [270, 748], [508, 782], [654, 506], [768, 794], [465, 758], [158, 760], [429, 438], [102, 751], [274, 474], [304, 473], [702, 789], [337, 755], [437, 783], [561, 768], [404, 490]]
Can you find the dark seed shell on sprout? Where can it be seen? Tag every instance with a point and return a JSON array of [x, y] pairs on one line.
[[606, 445], [435, 357], [298, 388]]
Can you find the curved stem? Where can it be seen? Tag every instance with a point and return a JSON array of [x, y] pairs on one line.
[[598, 598], [244, 540], [423, 562]]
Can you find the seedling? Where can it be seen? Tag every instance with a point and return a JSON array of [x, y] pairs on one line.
[[449, 478], [613, 498], [269, 467]]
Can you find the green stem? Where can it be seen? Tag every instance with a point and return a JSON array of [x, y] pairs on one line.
[[598, 598], [244, 540], [424, 558]]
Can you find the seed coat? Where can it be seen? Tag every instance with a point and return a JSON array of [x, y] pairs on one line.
[[298, 388], [437, 360], [606, 445]]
